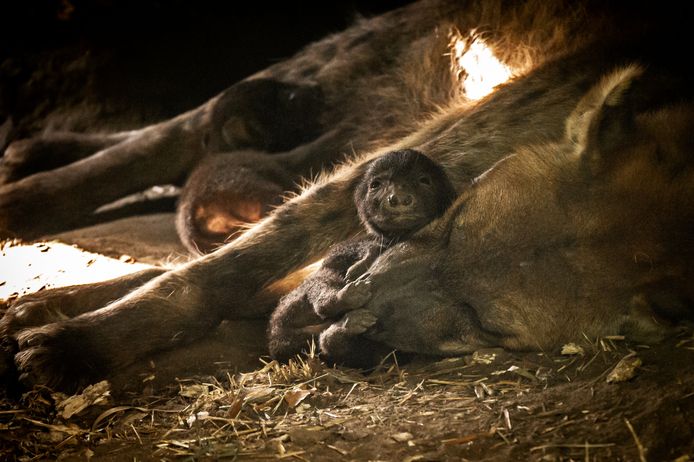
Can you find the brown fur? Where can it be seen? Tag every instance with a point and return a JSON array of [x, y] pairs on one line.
[[553, 240], [561, 240]]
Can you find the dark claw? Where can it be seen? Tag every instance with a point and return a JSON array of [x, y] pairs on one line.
[[355, 294]]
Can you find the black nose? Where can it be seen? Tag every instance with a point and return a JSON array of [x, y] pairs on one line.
[[399, 200]]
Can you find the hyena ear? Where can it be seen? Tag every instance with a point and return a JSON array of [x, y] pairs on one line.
[[604, 119]]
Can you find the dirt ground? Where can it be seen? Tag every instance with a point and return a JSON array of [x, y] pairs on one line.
[[222, 399], [517, 407]]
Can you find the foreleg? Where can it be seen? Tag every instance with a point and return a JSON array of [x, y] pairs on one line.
[[62, 303], [64, 197]]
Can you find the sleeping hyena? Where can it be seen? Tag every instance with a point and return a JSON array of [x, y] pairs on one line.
[[561, 179]]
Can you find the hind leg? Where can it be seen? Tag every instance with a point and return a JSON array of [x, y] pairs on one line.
[[25, 157], [66, 197], [228, 191]]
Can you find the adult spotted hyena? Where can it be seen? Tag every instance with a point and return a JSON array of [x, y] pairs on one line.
[[588, 235], [547, 223]]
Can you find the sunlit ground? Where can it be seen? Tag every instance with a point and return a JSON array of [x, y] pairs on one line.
[[27, 268], [479, 70]]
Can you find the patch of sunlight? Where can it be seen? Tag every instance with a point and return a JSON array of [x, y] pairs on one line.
[[477, 67], [27, 268]]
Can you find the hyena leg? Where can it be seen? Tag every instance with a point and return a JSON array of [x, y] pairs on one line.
[[303, 313], [62, 303], [66, 196], [52, 150], [292, 326]]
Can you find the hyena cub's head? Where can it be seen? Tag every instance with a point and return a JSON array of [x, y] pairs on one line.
[[401, 192]]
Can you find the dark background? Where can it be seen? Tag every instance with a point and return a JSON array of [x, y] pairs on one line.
[[113, 64]]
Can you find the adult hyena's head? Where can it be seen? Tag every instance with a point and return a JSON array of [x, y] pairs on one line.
[[593, 235]]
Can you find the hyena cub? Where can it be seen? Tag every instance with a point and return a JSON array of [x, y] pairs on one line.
[[400, 192]]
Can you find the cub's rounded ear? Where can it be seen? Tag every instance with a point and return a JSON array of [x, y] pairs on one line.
[[604, 119]]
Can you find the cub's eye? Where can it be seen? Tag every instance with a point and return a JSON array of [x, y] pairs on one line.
[[425, 180], [375, 184]]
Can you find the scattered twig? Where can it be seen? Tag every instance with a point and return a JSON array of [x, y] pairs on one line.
[[585, 445], [639, 446]]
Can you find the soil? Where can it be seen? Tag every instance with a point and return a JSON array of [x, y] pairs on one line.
[[518, 407]]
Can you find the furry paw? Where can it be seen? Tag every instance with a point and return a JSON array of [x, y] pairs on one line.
[[12, 322], [54, 357], [359, 270], [29, 311], [33, 310]]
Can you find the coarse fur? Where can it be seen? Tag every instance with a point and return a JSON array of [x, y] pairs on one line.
[[400, 192], [557, 232], [589, 266]]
